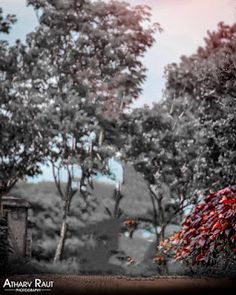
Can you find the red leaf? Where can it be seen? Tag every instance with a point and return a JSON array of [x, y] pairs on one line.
[[217, 225], [227, 202], [225, 191], [199, 257]]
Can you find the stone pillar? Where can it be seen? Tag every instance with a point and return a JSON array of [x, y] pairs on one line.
[[3, 241], [16, 210]]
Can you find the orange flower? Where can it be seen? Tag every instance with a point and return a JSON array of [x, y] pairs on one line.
[[159, 259], [130, 260], [130, 222]]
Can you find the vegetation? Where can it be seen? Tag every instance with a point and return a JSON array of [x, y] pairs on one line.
[[201, 90], [65, 98], [208, 233]]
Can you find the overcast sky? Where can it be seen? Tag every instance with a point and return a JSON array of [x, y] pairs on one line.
[[185, 23]]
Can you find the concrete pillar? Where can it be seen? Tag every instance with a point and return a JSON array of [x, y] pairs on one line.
[[16, 210]]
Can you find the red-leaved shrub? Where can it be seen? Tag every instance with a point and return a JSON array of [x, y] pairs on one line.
[[207, 233]]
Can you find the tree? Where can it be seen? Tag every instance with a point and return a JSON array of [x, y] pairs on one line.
[[22, 145], [203, 86], [208, 232], [154, 145], [86, 68]]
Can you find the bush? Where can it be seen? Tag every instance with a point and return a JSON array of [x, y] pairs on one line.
[[208, 234]]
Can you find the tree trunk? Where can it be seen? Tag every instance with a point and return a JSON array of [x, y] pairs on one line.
[[155, 216], [61, 243], [162, 232], [1, 206]]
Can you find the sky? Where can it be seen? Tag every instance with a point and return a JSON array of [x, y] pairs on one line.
[[185, 23]]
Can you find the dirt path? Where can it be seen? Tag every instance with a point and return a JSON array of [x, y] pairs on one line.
[[109, 285]]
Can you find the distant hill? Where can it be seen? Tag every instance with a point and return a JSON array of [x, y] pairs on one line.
[[136, 199]]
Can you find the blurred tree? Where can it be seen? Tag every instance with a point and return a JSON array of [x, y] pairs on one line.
[[86, 67]]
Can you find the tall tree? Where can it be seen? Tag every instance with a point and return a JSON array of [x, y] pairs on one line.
[[86, 67], [203, 85]]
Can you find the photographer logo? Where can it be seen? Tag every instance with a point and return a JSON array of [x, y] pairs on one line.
[[37, 285]]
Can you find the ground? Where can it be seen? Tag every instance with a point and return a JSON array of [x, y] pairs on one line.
[[120, 285]]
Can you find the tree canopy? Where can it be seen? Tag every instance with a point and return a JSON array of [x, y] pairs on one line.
[[202, 88]]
